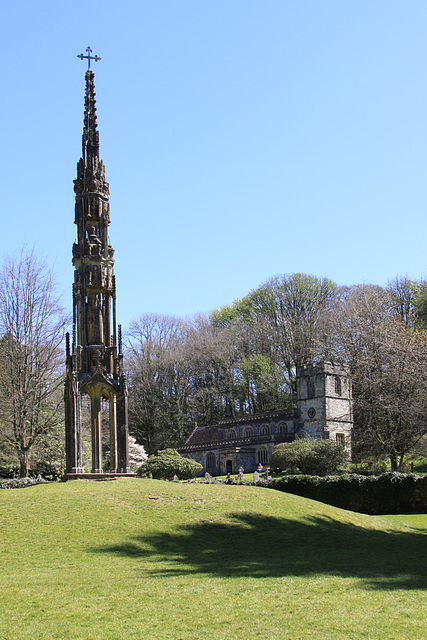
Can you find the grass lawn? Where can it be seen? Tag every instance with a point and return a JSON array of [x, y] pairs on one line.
[[137, 559]]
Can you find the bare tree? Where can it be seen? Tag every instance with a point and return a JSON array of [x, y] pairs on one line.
[[181, 372], [157, 380], [32, 325], [388, 361]]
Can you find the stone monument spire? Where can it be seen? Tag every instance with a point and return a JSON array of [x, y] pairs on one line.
[[95, 359]]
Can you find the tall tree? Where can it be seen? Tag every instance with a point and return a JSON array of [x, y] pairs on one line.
[[388, 361], [284, 318], [158, 380], [404, 294], [420, 305], [32, 325]]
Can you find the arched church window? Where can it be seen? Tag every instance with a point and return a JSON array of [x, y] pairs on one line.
[[210, 461], [338, 386], [249, 431], [265, 430], [310, 388], [262, 456], [282, 427], [231, 434]]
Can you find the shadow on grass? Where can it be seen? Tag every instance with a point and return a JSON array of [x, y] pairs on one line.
[[257, 546]]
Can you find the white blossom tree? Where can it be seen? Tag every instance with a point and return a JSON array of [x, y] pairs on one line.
[[137, 454]]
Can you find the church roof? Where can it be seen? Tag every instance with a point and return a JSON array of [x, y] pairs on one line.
[[216, 432], [202, 435], [269, 416]]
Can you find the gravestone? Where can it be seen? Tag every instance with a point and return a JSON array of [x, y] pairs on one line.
[[256, 477]]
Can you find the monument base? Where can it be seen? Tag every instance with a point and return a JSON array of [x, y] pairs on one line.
[[96, 476]]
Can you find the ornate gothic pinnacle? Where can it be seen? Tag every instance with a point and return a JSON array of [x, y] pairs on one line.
[[90, 132]]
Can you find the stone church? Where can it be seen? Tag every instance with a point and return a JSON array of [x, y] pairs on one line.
[[323, 410]]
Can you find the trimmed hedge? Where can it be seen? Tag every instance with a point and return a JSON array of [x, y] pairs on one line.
[[375, 495], [20, 483]]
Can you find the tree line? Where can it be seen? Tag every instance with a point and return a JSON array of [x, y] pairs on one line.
[[238, 360], [243, 359]]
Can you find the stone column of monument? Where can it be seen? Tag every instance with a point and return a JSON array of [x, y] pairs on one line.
[[94, 361]]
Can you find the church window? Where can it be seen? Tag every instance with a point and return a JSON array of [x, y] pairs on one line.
[[282, 427], [262, 456], [210, 461], [310, 388], [338, 386], [231, 434], [340, 438], [249, 431], [265, 430]]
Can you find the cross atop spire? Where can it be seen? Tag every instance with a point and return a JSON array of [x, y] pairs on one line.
[[88, 57]]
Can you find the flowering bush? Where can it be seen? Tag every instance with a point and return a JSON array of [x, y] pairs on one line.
[[137, 454]]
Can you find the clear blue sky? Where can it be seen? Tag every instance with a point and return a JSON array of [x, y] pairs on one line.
[[242, 139]]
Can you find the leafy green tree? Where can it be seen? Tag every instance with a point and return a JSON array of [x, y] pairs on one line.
[[293, 305], [286, 456], [420, 305], [260, 380], [284, 319], [310, 456], [404, 296]]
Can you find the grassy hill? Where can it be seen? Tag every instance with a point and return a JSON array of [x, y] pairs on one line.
[[148, 559]]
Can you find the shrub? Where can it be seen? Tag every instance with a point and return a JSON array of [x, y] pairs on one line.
[[371, 467], [47, 470], [168, 463], [9, 471], [19, 483], [309, 456], [285, 457]]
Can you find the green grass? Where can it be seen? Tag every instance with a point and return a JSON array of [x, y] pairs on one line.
[[419, 464], [149, 559]]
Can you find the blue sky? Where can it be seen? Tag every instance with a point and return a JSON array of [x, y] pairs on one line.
[[242, 139]]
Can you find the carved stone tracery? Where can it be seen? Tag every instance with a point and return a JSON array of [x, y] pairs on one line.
[[95, 361]]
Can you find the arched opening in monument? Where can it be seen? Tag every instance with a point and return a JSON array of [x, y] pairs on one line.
[[229, 466]]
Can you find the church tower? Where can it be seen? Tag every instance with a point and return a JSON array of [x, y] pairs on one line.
[[325, 402], [94, 360]]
